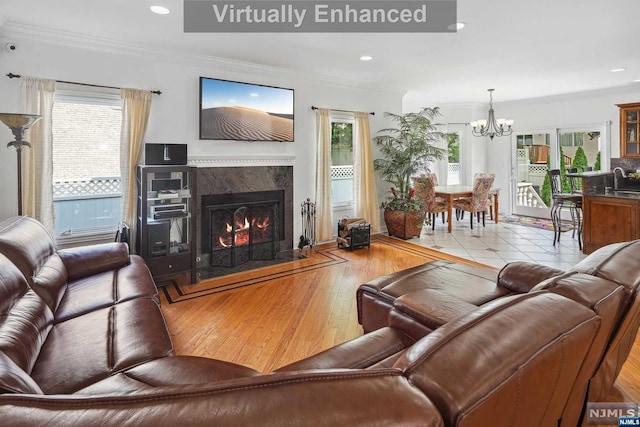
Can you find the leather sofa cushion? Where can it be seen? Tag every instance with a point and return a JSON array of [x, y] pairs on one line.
[[50, 281], [25, 319], [106, 289], [26, 243], [92, 347], [15, 380], [432, 308], [471, 284], [167, 371]]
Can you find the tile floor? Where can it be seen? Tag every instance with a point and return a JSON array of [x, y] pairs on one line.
[[498, 244]]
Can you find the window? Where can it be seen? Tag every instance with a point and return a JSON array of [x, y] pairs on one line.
[[453, 158], [86, 163], [342, 160], [523, 140], [537, 139], [572, 139]]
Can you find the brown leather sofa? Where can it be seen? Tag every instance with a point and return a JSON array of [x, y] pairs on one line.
[[83, 342], [422, 299]]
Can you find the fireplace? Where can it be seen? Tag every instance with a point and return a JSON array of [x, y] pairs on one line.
[[245, 218], [243, 227]]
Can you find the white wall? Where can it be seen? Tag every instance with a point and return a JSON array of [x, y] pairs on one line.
[[174, 114]]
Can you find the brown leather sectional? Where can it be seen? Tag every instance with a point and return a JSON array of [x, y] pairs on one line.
[[422, 299], [83, 342]]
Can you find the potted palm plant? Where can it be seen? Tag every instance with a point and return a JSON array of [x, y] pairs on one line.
[[407, 151]]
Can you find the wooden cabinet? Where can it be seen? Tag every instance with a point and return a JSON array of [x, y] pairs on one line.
[[609, 220], [630, 130], [165, 235]]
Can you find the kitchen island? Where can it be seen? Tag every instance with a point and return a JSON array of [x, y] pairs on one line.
[[609, 216]]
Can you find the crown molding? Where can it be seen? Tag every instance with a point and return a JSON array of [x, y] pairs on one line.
[[240, 161], [84, 41], [625, 89]]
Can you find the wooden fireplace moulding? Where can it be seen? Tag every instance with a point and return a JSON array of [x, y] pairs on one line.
[[240, 161]]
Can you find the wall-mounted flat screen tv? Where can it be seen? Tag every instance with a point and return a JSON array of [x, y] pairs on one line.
[[244, 111]]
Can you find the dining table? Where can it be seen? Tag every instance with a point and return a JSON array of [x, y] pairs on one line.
[[452, 192]]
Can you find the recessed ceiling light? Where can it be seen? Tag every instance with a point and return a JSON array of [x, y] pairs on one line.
[[457, 26], [366, 58], [160, 10], [635, 81], [617, 70]]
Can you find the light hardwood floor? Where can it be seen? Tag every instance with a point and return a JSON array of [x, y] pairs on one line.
[[299, 309]]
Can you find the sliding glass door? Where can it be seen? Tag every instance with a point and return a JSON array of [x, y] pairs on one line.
[[535, 154], [538, 151]]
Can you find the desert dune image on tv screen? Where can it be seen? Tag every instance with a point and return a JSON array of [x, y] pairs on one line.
[[245, 112]]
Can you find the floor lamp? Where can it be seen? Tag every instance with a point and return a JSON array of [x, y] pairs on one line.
[[19, 123]]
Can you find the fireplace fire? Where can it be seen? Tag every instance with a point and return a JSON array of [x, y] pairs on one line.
[[241, 233], [244, 229]]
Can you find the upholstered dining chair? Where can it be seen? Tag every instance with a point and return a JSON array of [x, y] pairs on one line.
[[477, 203], [426, 190], [560, 200]]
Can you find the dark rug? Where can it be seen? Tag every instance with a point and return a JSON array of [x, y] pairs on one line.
[[528, 221]]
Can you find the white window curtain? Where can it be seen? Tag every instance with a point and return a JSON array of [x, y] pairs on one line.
[[365, 192], [36, 97], [324, 206], [136, 105], [441, 166]]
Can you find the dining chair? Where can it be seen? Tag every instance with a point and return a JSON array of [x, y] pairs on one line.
[[426, 190], [490, 203], [560, 200], [477, 203]]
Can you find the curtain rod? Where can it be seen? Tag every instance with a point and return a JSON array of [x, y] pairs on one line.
[[17, 76], [313, 107]]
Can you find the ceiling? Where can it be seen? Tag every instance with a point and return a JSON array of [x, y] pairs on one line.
[[522, 48]]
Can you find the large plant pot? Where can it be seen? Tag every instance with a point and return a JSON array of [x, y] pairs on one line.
[[404, 225]]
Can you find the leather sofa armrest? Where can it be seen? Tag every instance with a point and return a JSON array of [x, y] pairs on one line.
[[520, 277], [317, 398], [93, 259], [359, 353]]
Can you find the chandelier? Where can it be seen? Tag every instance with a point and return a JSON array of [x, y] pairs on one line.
[[492, 127]]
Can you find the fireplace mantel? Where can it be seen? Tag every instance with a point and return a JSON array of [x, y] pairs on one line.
[[240, 161]]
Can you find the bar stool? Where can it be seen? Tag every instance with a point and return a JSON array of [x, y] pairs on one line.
[[576, 182], [564, 200]]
